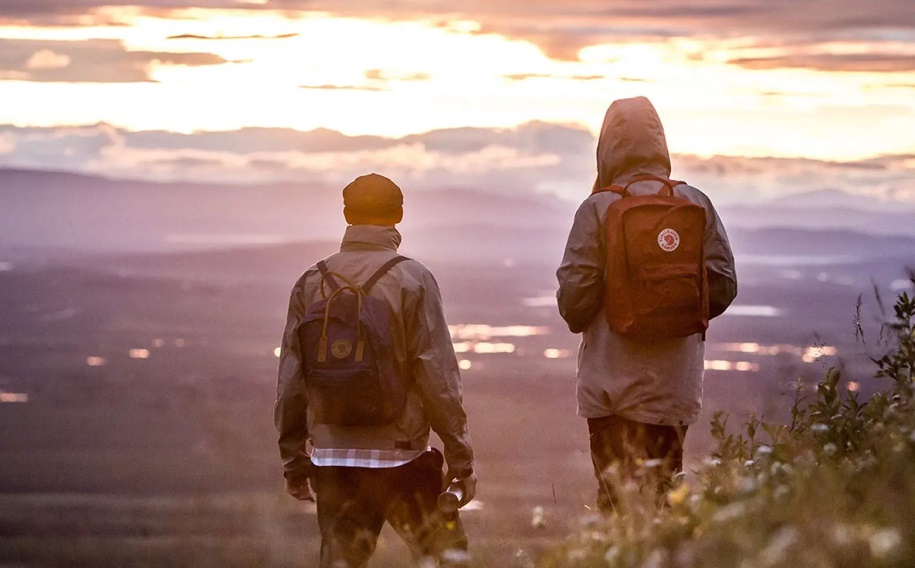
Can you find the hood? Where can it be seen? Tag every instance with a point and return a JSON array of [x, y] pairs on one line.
[[631, 142]]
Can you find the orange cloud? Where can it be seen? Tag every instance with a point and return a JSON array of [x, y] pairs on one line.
[[561, 29]]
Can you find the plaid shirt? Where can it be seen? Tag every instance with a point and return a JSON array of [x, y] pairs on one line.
[[347, 457]]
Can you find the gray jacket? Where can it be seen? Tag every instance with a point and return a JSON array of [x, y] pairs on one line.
[[656, 382], [421, 341]]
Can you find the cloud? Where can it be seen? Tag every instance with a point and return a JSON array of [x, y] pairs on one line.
[[343, 87], [188, 163], [385, 76], [73, 148], [527, 76], [535, 157], [559, 29], [47, 59], [92, 61], [888, 178], [257, 140], [231, 37], [863, 62]]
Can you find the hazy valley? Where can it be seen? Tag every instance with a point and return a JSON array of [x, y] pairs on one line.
[[138, 328]]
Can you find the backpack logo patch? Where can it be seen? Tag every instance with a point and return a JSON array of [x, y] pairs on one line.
[[668, 240], [341, 348]]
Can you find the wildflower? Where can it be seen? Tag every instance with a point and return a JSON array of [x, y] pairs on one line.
[[776, 468], [748, 463], [522, 559], [652, 463], [655, 559], [455, 557], [830, 449], [746, 486], [678, 495], [883, 542], [730, 512], [763, 451], [819, 428], [538, 519], [890, 412], [612, 554], [842, 534], [780, 492], [577, 554], [775, 551]]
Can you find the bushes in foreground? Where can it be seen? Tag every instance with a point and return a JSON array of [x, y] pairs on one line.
[[834, 488]]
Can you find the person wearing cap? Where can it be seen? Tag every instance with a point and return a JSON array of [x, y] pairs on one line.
[[365, 476]]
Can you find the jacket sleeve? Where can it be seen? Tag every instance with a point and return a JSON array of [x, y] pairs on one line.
[[289, 412], [581, 281], [719, 263], [435, 371]]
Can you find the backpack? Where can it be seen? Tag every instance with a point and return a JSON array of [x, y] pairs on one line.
[[656, 282], [352, 377]]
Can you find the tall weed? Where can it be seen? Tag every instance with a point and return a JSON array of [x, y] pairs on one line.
[[834, 488]]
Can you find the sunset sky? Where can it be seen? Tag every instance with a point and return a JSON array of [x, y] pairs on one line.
[[759, 97]]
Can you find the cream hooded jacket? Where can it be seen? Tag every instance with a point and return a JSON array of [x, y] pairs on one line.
[[654, 382], [421, 340]]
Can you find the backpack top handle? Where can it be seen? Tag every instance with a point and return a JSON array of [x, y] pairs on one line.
[[329, 276], [667, 189]]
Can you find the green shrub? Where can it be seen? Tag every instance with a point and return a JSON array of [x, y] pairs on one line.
[[834, 488]]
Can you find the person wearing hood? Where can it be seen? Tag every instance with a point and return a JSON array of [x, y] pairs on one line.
[[639, 396], [367, 474]]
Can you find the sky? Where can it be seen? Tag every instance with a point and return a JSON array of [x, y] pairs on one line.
[[759, 98]]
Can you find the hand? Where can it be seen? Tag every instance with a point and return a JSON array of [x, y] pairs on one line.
[[301, 490], [470, 488], [469, 484]]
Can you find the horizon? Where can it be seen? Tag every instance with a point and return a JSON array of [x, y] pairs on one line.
[[495, 99]]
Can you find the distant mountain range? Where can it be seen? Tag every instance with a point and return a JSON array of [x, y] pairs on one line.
[[72, 212], [821, 217]]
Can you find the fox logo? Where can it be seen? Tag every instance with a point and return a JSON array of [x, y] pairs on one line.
[[668, 240]]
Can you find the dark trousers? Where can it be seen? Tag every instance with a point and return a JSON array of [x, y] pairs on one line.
[[355, 502], [627, 447]]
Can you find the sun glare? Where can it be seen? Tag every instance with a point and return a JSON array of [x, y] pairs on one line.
[[392, 78]]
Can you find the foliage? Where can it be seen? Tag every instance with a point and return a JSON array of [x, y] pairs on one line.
[[834, 488]]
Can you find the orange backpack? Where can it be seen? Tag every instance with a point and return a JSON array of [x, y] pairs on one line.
[[656, 284]]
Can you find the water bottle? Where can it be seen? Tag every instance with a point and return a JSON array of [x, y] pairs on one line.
[[449, 501]]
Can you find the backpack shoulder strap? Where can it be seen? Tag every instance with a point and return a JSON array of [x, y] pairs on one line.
[[327, 276], [381, 272]]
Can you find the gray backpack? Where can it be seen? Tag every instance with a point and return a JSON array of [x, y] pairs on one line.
[[352, 377]]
